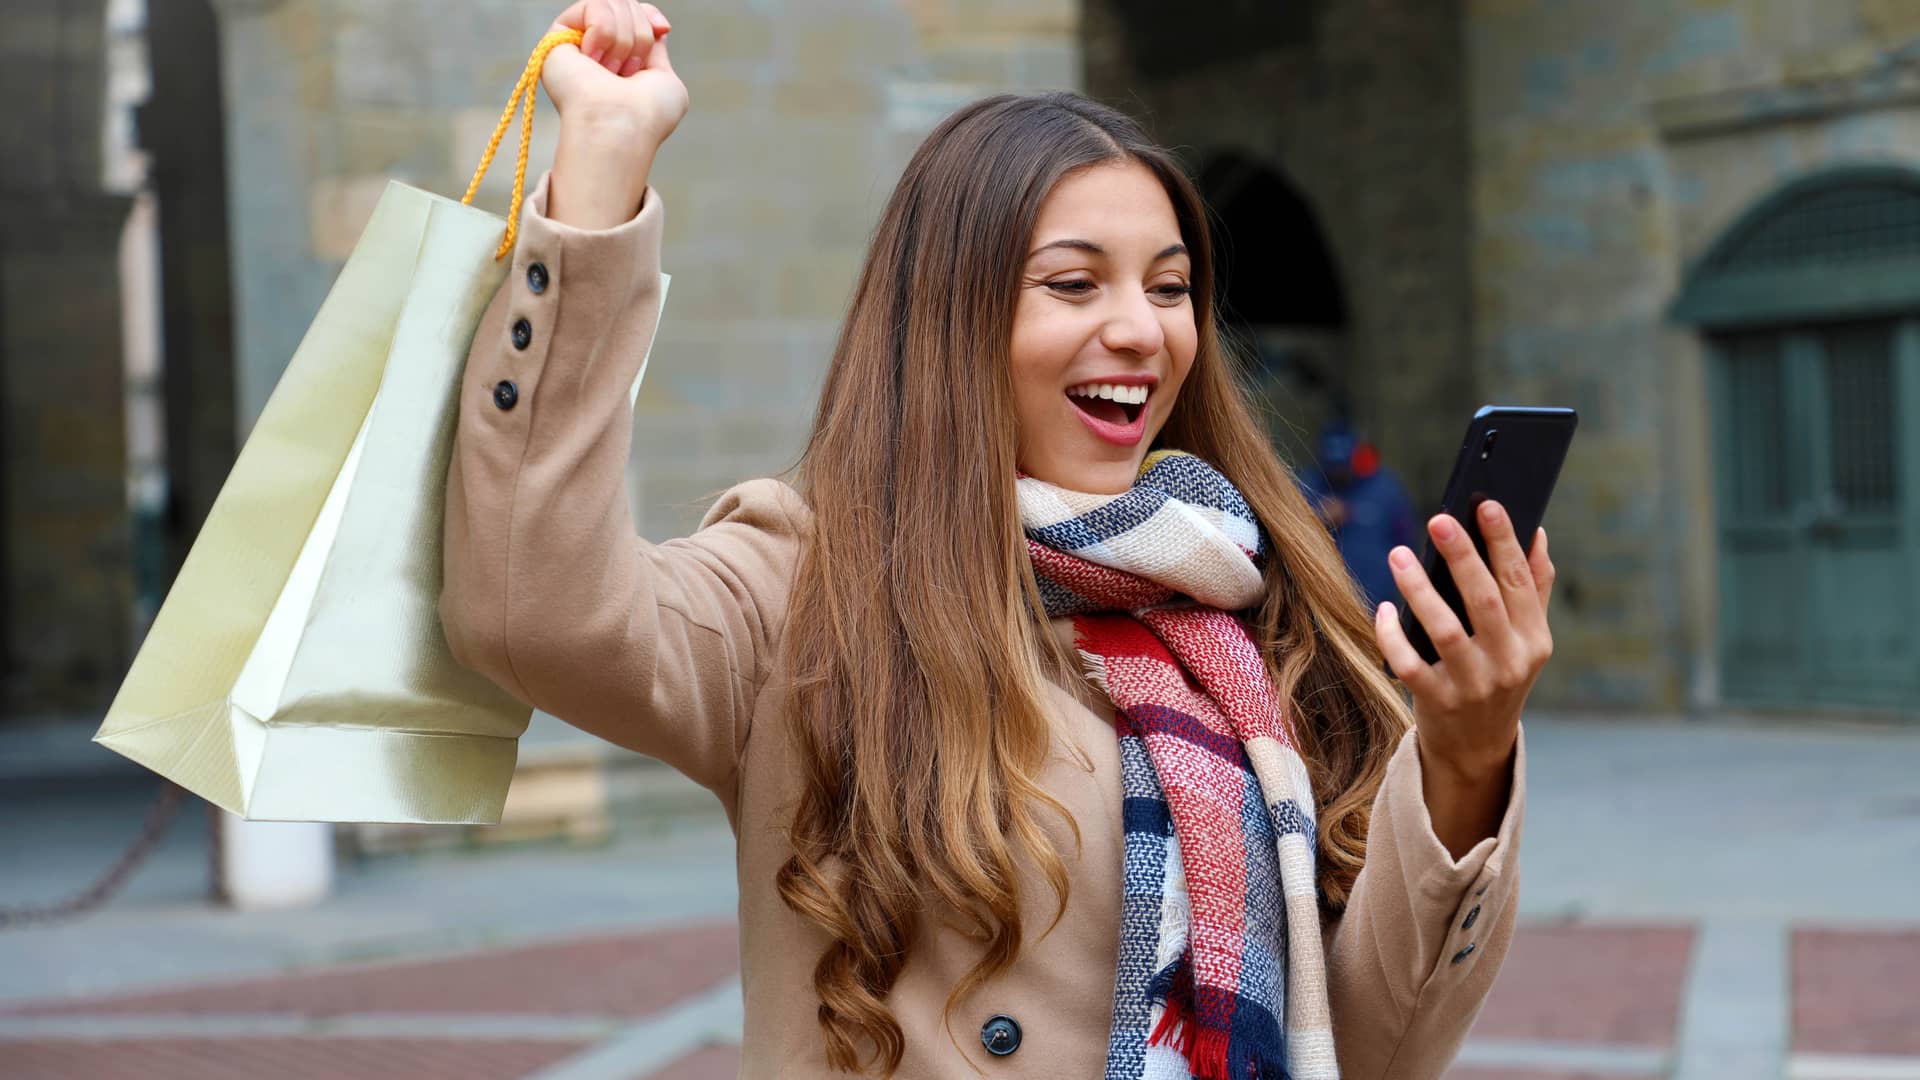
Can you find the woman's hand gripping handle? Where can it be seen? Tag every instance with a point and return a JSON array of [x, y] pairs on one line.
[[618, 99]]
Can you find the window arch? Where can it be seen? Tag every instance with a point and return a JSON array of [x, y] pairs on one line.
[[1840, 244]]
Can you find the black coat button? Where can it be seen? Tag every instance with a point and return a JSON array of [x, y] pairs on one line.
[[1001, 1035], [522, 334], [1472, 917], [1464, 953], [505, 394], [537, 277]]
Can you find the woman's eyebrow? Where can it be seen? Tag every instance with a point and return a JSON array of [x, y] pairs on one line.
[[1095, 249]]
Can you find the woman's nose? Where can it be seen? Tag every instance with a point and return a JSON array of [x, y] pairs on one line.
[[1133, 327]]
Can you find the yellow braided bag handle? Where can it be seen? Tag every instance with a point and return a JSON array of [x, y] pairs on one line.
[[529, 88]]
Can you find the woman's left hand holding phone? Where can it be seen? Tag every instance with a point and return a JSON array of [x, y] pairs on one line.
[[1466, 708], [619, 100]]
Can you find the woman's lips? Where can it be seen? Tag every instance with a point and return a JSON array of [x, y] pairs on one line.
[[1128, 434]]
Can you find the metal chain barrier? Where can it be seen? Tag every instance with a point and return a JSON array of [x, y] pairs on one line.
[[159, 816]]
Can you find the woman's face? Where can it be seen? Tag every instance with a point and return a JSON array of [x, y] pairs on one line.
[[1103, 334]]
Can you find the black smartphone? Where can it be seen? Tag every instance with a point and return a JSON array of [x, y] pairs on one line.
[[1512, 454]]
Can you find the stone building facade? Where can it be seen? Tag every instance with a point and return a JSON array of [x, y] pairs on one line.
[[1613, 150], [272, 127], [1520, 195], [803, 114], [1428, 204]]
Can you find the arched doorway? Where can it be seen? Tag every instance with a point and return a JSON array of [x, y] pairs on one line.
[[1282, 297], [1810, 307]]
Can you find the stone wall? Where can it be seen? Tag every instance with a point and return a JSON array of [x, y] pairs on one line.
[[803, 115], [1610, 145], [1511, 190], [65, 583]]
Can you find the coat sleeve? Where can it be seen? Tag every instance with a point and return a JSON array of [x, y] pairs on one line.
[[548, 591], [1410, 962]]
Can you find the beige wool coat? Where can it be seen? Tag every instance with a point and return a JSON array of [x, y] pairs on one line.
[[673, 649]]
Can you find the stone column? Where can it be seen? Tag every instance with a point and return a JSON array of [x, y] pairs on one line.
[[65, 583]]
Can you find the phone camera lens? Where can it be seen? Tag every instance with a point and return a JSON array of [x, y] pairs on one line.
[[1486, 445]]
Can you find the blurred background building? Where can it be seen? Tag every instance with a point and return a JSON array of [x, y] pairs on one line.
[[1697, 221]]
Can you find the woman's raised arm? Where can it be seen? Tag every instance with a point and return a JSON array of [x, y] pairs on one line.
[[548, 591]]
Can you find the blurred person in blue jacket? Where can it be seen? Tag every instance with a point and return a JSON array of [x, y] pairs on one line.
[[1365, 507]]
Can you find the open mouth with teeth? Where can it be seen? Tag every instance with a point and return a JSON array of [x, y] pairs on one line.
[[1113, 412], [1109, 403]]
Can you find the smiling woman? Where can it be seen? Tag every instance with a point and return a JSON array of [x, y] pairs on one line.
[[1056, 739]]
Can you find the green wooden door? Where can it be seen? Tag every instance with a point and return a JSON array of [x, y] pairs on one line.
[[1819, 500]]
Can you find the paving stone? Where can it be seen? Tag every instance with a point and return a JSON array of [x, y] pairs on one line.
[[1614, 985], [706, 1063], [1535, 1075], [283, 1059], [627, 975], [1856, 992]]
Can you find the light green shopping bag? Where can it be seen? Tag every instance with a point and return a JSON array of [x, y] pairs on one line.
[[297, 670]]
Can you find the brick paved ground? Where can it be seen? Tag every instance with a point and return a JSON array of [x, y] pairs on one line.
[[1524, 1074], [502, 1013], [1573, 1002], [1857, 992], [1593, 995], [631, 975], [1626, 981], [280, 1058], [707, 1063], [1659, 937]]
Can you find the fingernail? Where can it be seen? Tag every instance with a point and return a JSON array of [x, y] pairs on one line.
[[1489, 511], [1444, 529], [1402, 558], [597, 55]]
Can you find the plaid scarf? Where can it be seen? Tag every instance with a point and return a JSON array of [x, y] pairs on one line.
[[1221, 975]]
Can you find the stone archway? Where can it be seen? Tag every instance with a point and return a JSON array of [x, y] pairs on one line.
[[1282, 298]]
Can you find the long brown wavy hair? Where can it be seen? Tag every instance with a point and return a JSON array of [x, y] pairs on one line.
[[917, 637]]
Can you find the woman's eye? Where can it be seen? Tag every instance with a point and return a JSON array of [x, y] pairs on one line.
[[1174, 292], [1077, 287]]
